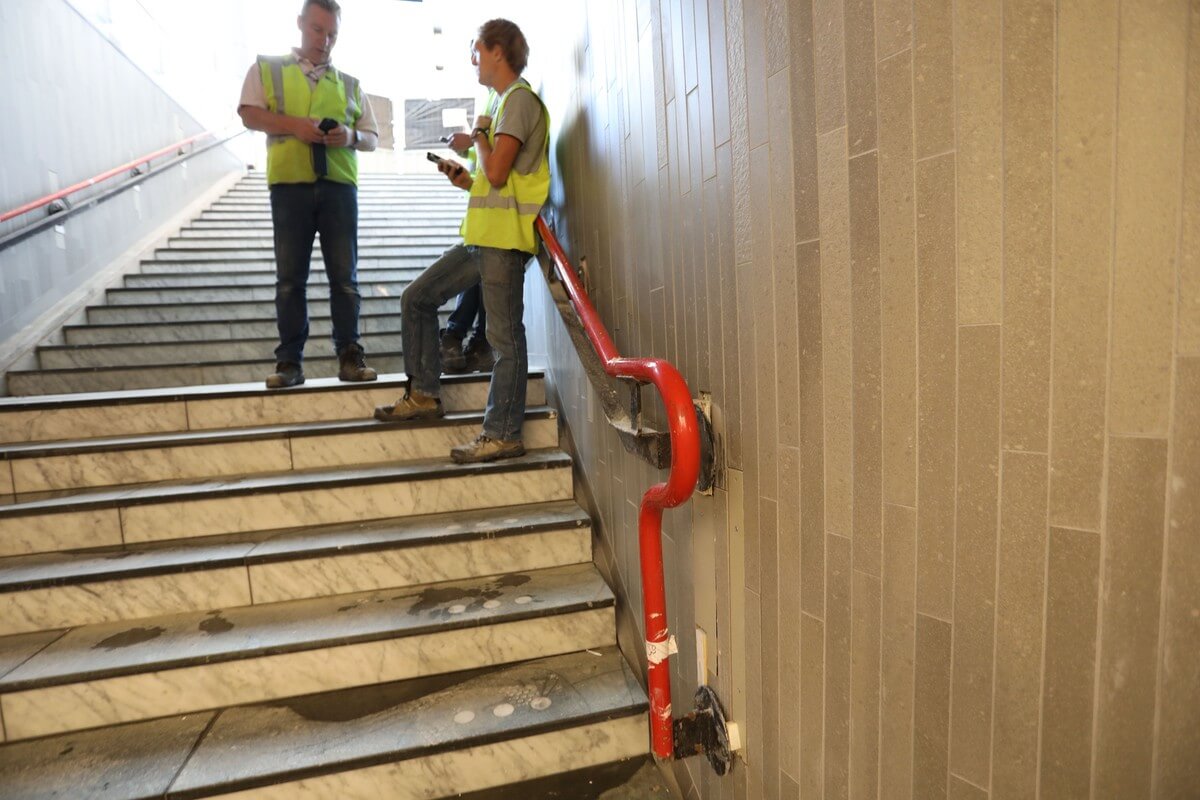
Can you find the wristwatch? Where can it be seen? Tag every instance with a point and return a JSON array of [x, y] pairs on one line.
[[357, 139], [479, 132]]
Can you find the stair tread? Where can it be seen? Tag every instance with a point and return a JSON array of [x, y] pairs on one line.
[[216, 391], [201, 437], [243, 747], [281, 482], [62, 568], [111, 649]]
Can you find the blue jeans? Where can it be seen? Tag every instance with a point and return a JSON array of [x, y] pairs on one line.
[[299, 211], [502, 275], [470, 306]]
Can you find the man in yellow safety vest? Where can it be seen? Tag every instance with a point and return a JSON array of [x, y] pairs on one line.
[[508, 181], [315, 117]]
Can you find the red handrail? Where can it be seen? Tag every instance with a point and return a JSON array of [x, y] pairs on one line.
[[685, 469], [103, 176]]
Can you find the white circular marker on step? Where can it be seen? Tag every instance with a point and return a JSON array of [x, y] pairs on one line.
[[457, 608], [503, 710], [492, 604], [540, 703], [463, 717], [523, 600]]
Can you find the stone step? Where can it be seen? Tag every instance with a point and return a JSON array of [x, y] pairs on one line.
[[436, 216], [472, 732], [56, 467], [153, 376], [199, 408], [373, 201], [293, 498], [365, 226], [237, 254], [82, 587], [229, 310], [130, 670], [258, 278], [151, 295], [92, 356], [267, 263], [192, 241], [226, 330], [195, 236]]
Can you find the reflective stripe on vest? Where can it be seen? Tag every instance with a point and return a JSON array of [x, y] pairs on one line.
[[336, 95], [503, 218]]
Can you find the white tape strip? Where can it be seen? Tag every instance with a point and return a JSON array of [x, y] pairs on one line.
[[658, 652]]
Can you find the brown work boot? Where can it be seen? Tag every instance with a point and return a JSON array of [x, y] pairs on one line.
[[485, 448], [413, 405], [478, 355], [352, 365], [450, 346], [287, 373]]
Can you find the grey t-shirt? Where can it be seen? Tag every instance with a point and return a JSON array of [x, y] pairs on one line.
[[523, 120]]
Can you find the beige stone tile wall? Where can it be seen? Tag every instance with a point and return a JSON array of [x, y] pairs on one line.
[[938, 264]]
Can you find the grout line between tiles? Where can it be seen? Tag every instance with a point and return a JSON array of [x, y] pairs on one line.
[[191, 752], [1156, 731], [1106, 475], [38, 652]]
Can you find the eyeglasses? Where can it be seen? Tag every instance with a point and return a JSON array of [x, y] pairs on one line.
[[474, 54]]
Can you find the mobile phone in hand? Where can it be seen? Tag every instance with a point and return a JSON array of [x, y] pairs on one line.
[[327, 125]]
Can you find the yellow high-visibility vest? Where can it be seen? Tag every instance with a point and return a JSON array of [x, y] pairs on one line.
[[337, 96], [503, 218]]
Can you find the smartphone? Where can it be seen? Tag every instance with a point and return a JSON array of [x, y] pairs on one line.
[[435, 158], [328, 124]]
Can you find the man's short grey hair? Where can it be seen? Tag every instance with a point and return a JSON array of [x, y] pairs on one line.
[[329, 5]]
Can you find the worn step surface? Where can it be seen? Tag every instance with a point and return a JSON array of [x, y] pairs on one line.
[[192, 455], [210, 330], [109, 673], [425, 738], [267, 501], [165, 410], [65, 589]]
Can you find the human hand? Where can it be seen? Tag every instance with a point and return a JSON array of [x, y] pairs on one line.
[[307, 130], [341, 136], [483, 121], [460, 142], [456, 172]]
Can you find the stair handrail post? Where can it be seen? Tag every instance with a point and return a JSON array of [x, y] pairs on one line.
[[685, 471]]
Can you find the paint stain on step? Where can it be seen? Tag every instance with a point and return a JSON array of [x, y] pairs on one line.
[[215, 623], [129, 638]]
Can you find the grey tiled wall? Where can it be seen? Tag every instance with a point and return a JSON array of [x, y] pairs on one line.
[[938, 263]]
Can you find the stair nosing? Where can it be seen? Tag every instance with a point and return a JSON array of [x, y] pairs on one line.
[[263, 547], [297, 481], [313, 641], [218, 391], [215, 436]]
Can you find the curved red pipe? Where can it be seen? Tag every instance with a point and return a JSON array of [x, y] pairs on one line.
[[685, 469]]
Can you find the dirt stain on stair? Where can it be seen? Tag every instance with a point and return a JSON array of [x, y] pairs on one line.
[[432, 599], [215, 623], [129, 638]]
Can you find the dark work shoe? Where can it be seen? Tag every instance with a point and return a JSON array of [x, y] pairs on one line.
[[286, 374], [352, 365], [479, 355], [451, 347], [486, 449], [413, 405]]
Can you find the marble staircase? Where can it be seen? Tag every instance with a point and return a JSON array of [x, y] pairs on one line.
[[212, 589]]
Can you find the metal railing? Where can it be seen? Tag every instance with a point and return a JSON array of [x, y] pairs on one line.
[[682, 449], [136, 175]]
